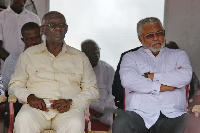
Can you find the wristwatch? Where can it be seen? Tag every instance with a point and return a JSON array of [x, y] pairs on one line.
[[146, 74]]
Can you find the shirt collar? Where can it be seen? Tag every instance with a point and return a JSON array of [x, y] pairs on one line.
[[9, 9], [150, 53], [65, 49]]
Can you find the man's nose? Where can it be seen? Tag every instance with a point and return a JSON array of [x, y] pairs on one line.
[[155, 37], [58, 27]]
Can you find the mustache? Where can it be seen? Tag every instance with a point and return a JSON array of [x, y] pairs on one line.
[[156, 43]]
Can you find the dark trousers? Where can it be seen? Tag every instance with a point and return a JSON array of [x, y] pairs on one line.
[[131, 122]]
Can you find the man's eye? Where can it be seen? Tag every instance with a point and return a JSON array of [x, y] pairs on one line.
[[29, 39], [160, 33], [149, 36], [52, 25]]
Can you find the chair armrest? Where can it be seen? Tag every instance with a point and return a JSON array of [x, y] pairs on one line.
[[2, 98], [12, 98], [196, 108]]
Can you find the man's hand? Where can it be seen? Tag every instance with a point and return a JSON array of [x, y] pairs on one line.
[[36, 102], [151, 76], [94, 113], [61, 105], [166, 88], [3, 53]]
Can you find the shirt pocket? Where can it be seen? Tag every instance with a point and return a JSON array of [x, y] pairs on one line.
[[36, 74], [41, 73], [143, 68], [169, 67], [75, 76]]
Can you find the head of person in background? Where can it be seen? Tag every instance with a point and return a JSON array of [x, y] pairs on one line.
[[171, 45], [17, 5], [30, 34], [92, 51], [151, 34]]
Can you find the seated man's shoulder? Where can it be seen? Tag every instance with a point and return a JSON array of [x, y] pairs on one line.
[[131, 50], [34, 49], [32, 14], [105, 65], [74, 51], [174, 51]]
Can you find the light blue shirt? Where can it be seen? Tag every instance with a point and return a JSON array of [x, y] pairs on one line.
[[105, 75], [8, 69], [143, 95]]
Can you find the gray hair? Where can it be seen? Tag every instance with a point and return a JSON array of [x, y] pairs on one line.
[[52, 14], [145, 21]]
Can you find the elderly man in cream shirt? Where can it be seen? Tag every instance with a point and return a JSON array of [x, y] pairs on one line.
[[53, 72]]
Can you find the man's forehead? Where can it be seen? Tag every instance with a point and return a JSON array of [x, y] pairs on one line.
[[89, 45], [151, 27], [32, 32], [54, 16]]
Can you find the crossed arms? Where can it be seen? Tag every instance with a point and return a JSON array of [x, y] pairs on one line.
[[178, 73]]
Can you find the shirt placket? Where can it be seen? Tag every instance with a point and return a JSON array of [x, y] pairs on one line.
[[56, 74]]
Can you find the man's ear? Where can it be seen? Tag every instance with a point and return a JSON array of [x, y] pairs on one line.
[[140, 38], [22, 40], [66, 29]]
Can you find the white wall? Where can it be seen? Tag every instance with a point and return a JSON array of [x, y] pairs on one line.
[[42, 7], [182, 25]]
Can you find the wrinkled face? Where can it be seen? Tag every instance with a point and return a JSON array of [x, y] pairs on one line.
[[17, 4], [55, 28], [31, 38], [153, 37], [92, 51]]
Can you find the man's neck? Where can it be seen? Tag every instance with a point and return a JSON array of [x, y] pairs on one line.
[[155, 53], [15, 10], [55, 49]]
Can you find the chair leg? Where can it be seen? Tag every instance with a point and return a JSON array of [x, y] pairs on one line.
[[2, 117], [11, 123]]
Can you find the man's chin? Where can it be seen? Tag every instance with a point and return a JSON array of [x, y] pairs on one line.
[[156, 49]]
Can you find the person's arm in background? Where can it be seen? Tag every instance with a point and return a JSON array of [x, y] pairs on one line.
[[109, 100], [3, 53], [3, 98], [106, 98], [8, 69]]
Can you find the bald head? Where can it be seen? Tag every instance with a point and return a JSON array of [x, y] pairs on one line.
[[92, 51]]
